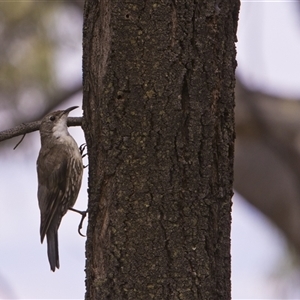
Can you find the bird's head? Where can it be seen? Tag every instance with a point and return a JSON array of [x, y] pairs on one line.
[[55, 124]]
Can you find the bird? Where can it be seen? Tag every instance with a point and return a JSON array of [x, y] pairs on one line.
[[59, 171]]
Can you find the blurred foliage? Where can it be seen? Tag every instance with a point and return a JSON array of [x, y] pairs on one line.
[[36, 38]]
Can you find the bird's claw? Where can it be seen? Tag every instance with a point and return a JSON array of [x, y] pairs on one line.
[[81, 222], [82, 148], [83, 215]]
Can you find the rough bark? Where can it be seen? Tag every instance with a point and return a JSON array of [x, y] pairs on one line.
[[159, 125]]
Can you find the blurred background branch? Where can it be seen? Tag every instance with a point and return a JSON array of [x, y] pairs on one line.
[[267, 162]]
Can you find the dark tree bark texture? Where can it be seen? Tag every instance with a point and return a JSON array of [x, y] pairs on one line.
[[159, 125]]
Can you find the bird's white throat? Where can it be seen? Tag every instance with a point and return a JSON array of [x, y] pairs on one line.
[[60, 129]]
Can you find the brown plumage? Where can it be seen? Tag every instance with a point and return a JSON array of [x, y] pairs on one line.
[[59, 168]]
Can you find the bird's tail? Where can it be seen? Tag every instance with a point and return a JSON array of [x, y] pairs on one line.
[[52, 245]]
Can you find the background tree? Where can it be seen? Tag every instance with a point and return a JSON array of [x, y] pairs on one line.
[[158, 120]]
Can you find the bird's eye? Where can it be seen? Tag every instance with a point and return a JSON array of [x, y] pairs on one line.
[[52, 118]]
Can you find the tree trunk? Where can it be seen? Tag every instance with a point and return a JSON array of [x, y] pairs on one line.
[[159, 125]]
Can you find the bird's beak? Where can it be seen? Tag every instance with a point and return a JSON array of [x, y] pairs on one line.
[[66, 111]]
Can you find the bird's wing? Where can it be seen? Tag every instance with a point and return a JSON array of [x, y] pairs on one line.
[[52, 166]]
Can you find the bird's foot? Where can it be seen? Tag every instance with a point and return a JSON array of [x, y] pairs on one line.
[[81, 149], [83, 215]]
